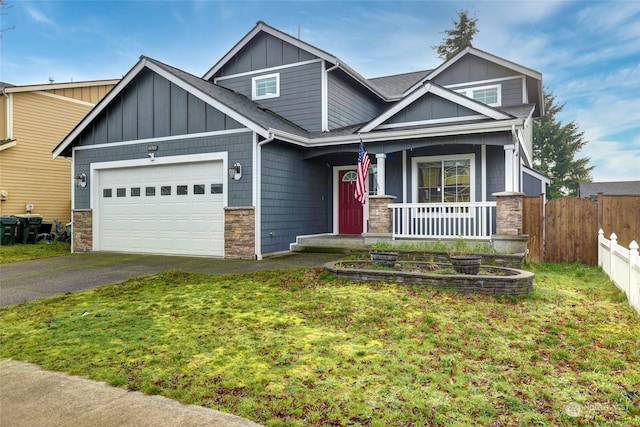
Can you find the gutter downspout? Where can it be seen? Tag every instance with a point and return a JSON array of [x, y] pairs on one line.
[[516, 159], [257, 194]]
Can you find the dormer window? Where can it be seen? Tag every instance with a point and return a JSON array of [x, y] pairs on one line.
[[489, 95], [267, 86]]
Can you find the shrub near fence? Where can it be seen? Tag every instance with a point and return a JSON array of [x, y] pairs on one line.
[[621, 265]]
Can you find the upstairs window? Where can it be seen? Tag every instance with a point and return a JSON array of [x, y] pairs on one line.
[[267, 86], [489, 95]]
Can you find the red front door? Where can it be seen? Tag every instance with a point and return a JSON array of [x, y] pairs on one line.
[[349, 209]]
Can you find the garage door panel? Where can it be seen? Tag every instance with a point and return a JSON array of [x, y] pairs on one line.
[[162, 209]]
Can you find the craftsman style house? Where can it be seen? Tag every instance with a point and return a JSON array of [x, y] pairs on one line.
[[263, 149]]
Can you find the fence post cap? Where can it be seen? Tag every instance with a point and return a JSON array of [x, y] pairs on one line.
[[634, 245], [613, 236], [600, 232]]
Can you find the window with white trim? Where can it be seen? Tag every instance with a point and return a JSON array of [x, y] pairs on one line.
[[266, 86], [444, 179], [490, 95]]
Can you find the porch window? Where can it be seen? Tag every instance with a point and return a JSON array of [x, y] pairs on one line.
[[444, 179], [266, 86]]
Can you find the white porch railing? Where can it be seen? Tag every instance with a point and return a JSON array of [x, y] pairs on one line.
[[621, 265], [443, 220]]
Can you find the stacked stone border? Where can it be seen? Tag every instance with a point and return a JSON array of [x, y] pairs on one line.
[[513, 282]]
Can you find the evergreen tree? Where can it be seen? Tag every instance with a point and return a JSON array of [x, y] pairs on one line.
[[555, 147], [459, 37]]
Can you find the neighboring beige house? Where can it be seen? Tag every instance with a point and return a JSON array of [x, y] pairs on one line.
[[33, 120]]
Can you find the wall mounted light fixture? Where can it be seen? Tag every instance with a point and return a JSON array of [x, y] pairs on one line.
[[81, 180], [235, 171]]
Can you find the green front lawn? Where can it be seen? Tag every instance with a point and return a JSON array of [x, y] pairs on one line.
[[298, 348], [17, 252]]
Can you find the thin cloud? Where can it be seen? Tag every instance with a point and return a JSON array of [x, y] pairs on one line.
[[38, 16]]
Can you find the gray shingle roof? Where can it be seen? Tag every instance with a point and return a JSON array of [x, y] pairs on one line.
[[590, 189], [394, 86]]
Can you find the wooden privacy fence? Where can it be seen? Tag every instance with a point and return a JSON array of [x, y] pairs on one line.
[[563, 230], [620, 214], [570, 228]]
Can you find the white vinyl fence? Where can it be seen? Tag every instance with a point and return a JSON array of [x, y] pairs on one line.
[[621, 265]]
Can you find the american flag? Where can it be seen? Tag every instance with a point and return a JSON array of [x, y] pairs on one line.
[[363, 169]]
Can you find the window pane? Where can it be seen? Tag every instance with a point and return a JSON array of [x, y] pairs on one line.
[[150, 191], [135, 191], [198, 189], [265, 87], [121, 192], [457, 180], [165, 190], [106, 192], [181, 190], [487, 96], [430, 182], [216, 188]]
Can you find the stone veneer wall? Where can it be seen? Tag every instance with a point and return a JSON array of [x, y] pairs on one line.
[[82, 230], [509, 213], [380, 219], [239, 233]]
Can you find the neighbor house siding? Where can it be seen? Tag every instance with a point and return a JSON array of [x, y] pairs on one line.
[[349, 104], [300, 99], [237, 145], [40, 122], [295, 197], [91, 94], [153, 107]]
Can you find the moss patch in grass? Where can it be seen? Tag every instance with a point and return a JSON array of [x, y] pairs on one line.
[[298, 348]]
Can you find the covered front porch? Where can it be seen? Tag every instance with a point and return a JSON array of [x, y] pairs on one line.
[[498, 222]]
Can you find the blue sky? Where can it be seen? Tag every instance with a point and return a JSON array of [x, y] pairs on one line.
[[588, 51]]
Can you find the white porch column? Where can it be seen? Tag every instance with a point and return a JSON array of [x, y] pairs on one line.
[[509, 184], [380, 162]]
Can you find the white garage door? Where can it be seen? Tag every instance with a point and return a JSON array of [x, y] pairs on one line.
[[162, 209]]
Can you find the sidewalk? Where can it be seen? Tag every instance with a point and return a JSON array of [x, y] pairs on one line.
[[30, 396]]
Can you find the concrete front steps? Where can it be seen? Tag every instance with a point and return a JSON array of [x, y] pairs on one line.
[[328, 243]]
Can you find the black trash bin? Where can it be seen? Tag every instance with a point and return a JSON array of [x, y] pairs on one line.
[[8, 226]]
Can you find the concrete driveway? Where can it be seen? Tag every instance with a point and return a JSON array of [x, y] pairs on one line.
[[31, 280]]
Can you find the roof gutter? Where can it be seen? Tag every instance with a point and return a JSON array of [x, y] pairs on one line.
[[472, 128]]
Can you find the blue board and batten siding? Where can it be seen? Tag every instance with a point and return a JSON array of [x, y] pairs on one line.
[[151, 107], [430, 107], [296, 198], [263, 51]]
